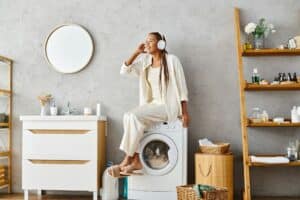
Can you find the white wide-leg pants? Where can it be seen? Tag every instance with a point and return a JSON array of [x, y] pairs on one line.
[[136, 121]]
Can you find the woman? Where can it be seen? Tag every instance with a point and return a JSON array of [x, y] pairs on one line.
[[163, 97]]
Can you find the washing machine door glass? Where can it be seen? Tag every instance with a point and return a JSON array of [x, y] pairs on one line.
[[158, 154]]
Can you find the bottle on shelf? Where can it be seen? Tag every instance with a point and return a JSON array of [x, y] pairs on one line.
[[289, 78], [53, 108], [294, 115], [98, 110], [292, 150], [265, 116], [298, 112], [295, 77], [280, 77], [284, 77], [255, 76], [292, 153]]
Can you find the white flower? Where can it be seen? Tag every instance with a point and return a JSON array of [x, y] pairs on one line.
[[273, 31], [250, 28]]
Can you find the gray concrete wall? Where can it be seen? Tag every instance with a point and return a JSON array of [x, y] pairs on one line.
[[200, 33]]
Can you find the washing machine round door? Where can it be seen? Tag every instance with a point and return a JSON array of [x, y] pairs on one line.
[[158, 154]]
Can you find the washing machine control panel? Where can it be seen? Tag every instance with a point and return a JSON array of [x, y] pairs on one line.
[[166, 126]]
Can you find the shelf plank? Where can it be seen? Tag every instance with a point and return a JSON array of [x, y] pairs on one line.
[[252, 87], [290, 164], [4, 186], [6, 60], [272, 124], [5, 92], [6, 125], [258, 164], [4, 154], [271, 52]]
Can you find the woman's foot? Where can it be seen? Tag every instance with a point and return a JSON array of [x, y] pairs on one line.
[[134, 165], [116, 169], [126, 161]]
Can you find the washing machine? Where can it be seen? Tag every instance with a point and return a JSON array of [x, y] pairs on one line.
[[163, 153]]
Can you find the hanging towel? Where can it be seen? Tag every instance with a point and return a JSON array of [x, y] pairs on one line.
[[270, 159]]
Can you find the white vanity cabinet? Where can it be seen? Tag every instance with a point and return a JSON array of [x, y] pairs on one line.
[[63, 153]]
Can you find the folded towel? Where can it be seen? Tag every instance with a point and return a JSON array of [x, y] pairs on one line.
[[270, 159], [206, 142]]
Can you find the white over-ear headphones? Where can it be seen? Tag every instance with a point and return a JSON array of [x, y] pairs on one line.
[[161, 44]]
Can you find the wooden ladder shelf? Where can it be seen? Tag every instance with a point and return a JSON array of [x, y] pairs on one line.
[[244, 86], [7, 126]]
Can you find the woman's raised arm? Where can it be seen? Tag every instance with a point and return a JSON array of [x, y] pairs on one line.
[[133, 68]]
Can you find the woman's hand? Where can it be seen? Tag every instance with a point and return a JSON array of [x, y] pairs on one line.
[[185, 116], [140, 49], [185, 119]]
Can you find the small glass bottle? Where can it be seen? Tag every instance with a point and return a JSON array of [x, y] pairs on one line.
[[280, 77], [53, 108], [265, 116], [256, 115], [292, 153], [295, 77], [289, 77], [284, 78], [255, 76]]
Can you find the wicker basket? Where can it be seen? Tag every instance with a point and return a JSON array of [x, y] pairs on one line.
[[186, 192], [220, 148]]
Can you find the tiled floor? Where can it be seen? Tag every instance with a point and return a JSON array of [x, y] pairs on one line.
[[277, 198], [46, 197], [76, 197]]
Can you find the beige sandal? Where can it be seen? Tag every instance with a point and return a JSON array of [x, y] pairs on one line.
[[131, 171], [114, 171]]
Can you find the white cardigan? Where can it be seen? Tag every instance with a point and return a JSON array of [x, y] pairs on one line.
[[173, 95]]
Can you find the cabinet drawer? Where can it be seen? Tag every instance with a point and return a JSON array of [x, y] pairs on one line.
[[59, 174], [61, 125], [59, 144]]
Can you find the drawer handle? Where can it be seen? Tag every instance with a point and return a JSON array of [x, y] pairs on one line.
[[53, 131], [208, 172], [60, 162]]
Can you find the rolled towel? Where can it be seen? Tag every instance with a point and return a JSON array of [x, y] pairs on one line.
[[270, 159]]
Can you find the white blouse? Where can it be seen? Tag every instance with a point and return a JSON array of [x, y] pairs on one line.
[[171, 95], [153, 78]]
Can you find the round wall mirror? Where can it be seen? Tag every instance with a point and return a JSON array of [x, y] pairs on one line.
[[69, 48]]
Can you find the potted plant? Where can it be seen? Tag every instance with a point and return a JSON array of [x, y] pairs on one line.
[[259, 32]]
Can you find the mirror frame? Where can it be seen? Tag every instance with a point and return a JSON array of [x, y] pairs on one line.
[[55, 29]]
